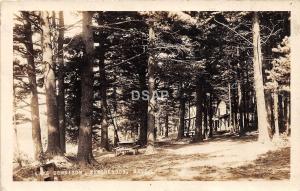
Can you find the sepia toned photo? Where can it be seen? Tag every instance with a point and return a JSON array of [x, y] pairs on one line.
[[150, 95]]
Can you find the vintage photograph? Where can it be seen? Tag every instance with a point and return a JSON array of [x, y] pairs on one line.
[[151, 95]]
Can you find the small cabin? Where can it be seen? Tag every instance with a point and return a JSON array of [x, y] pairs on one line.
[[220, 117], [222, 108]]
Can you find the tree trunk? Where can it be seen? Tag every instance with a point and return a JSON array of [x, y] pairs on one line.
[[114, 114], [84, 155], [50, 85], [199, 109], [230, 108], [234, 110], [269, 108], [240, 110], [143, 122], [205, 109], [104, 108], [34, 104], [114, 122], [263, 125], [151, 89], [246, 102], [181, 118], [158, 121], [210, 111], [167, 124], [143, 106], [60, 84], [189, 121], [288, 113], [255, 117], [276, 122], [285, 112], [180, 134], [281, 117]]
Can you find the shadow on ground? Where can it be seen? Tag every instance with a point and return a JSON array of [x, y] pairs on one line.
[[225, 157]]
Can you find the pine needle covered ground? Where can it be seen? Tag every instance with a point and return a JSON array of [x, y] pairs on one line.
[[222, 158]]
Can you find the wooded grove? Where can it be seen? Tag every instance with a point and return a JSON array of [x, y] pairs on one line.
[[145, 82]]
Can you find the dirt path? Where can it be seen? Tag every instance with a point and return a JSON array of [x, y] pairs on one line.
[[222, 158]]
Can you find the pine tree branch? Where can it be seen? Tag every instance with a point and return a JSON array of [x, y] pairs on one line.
[[233, 31], [120, 63], [122, 22]]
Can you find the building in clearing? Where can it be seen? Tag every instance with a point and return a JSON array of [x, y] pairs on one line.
[[220, 118]]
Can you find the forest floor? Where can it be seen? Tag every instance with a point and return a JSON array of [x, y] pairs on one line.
[[225, 157], [221, 158]]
